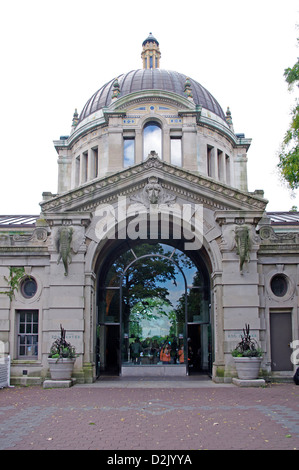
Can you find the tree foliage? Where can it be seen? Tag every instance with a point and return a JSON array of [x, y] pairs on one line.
[[289, 156], [145, 277]]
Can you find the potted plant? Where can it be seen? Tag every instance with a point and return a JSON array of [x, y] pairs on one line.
[[61, 358], [247, 356]]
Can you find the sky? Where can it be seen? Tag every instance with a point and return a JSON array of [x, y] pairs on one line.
[[56, 54]]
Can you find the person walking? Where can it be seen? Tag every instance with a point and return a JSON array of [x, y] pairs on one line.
[[165, 354], [136, 350]]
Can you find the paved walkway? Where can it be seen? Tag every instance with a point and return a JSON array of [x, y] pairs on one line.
[[154, 415]]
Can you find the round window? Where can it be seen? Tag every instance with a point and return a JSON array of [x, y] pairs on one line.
[[279, 285], [28, 287]]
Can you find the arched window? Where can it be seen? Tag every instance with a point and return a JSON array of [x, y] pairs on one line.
[[152, 139]]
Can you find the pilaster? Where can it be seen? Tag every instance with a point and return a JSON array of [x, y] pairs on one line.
[[66, 285], [240, 300]]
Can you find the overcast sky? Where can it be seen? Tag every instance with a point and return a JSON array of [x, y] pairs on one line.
[[56, 54]]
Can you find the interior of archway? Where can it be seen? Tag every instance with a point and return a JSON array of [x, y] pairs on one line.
[[153, 297]]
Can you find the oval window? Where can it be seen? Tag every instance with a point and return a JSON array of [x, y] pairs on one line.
[[279, 285], [28, 287]]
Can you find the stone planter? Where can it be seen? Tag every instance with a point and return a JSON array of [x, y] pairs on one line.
[[248, 367], [62, 368]]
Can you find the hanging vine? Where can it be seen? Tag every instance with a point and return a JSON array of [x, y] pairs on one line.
[[15, 274]]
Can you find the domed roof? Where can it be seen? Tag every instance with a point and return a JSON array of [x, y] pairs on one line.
[[151, 79]]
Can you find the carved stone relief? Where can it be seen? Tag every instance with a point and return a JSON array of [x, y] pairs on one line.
[[240, 238], [64, 240], [68, 240], [153, 193], [39, 234], [267, 234], [243, 244]]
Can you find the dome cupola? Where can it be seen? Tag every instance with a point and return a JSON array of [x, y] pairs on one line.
[[151, 78], [150, 53]]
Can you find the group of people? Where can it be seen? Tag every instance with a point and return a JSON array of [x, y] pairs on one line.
[[169, 353], [172, 356]]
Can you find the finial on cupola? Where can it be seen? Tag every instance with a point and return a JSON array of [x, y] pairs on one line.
[[116, 89], [228, 118], [75, 119], [188, 89]]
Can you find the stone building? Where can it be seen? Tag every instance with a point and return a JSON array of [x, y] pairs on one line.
[[152, 239]]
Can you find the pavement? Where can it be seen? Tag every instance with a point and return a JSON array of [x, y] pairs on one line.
[[174, 416]]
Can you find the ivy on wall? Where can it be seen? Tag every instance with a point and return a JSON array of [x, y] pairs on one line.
[[15, 274]]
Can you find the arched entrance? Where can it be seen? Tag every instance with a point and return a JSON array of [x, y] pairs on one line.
[[153, 312]]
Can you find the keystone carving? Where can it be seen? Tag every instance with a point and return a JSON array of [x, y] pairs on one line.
[[153, 193]]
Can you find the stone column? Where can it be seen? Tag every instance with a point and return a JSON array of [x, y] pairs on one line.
[[214, 163], [189, 141], [202, 156], [228, 170], [218, 326], [221, 166], [240, 164], [115, 138], [83, 167], [91, 165], [138, 146], [64, 171], [103, 154], [166, 146]]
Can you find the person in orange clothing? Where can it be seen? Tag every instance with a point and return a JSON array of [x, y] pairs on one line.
[[181, 354], [165, 354]]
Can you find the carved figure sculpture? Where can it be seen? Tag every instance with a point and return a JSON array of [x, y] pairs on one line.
[[153, 193], [64, 247], [243, 244]]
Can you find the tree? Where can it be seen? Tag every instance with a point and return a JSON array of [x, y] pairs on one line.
[[289, 156]]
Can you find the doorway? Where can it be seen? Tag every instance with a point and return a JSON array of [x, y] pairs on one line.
[[199, 348], [281, 337], [112, 349], [153, 301]]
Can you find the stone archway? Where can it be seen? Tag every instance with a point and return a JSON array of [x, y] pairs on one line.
[[204, 251]]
